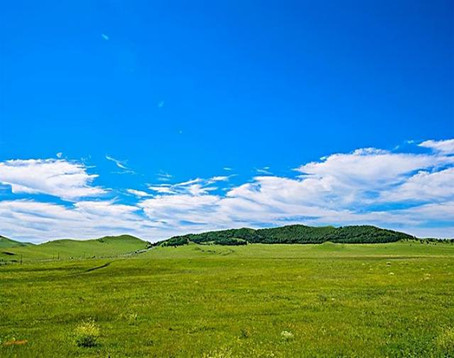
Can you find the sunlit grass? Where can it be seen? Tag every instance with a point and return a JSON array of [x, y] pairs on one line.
[[254, 301]]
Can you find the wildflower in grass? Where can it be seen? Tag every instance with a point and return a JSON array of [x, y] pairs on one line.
[[286, 335], [87, 334]]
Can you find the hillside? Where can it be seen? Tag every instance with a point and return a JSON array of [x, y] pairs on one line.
[[292, 234], [7, 243], [64, 249]]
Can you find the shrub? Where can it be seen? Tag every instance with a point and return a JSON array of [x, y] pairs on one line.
[[87, 334], [176, 241]]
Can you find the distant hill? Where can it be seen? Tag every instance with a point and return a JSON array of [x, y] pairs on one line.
[[7, 243], [292, 234], [63, 249]]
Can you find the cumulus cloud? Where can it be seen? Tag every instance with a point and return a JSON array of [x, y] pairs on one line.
[[60, 178], [424, 186], [409, 191]]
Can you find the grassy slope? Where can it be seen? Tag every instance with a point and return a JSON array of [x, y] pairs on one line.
[[8, 243], [107, 246], [337, 300]]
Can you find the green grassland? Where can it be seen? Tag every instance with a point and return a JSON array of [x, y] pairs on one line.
[[326, 300]]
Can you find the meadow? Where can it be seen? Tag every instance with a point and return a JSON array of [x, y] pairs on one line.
[[327, 300]]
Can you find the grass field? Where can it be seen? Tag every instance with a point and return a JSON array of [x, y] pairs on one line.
[[329, 300]]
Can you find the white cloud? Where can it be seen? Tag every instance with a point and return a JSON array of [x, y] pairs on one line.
[[354, 188], [138, 193], [404, 191], [117, 162], [162, 189], [193, 187], [101, 208], [83, 220], [218, 178], [424, 186], [61, 178], [177, 208], [442, 146]]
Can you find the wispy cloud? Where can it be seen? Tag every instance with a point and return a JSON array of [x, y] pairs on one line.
[[163, 176], [105, 37], [138, 193], [264, 170], [218, 179], [117, 162], [192, 187], [120, 164]]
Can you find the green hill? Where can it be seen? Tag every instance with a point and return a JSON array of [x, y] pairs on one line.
[[7, 243], [64, 249], [292, 234]]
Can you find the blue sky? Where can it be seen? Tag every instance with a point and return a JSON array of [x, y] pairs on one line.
[[156, 113]]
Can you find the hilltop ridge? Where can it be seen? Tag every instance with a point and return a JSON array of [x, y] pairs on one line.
[[292, 234]]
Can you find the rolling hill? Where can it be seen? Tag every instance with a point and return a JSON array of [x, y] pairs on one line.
[[292, 234], [7, 243], [110, 246], [64, 249]]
